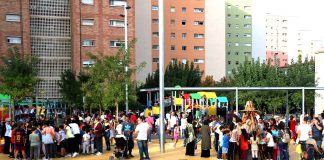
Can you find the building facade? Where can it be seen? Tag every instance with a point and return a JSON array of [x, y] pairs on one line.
[[61, 32]]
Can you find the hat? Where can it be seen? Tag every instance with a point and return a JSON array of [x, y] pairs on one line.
[[8, 120]]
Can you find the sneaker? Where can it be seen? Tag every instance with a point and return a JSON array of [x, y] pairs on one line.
[[68, 155], [98, 154], [74, 154]]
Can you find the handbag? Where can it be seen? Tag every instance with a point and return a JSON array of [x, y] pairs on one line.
[[299, 149], [47, 139]]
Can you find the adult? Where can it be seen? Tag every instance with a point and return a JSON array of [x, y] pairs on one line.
[[77, 136], [150, 121], [106, 127], [270, 143], [142, 131], [6, 133], [190, 147], [20, 135], [244, 144], [303, 132], [98, 136], [292, 127], [317, 129], [173, 121], [69, 139], [183, 127], [206, 139], [47, 138], [128, 129], [233, 143]]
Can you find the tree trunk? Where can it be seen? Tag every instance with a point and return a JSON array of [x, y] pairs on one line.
[[12, 110], [117, 110]]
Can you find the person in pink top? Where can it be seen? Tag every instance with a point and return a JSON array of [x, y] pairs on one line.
[[150, 121], [176, 134]]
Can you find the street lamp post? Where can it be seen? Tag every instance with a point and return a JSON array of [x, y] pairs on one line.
[[126, 50]]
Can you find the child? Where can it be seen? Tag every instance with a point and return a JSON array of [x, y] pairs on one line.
[[175, 134], [112, 132], [85, 142], [92, 136], [34, 144], [62, 141], [225, 144], [254, 141]]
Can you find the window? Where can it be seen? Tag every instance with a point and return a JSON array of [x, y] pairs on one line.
[[155, 47], [229, 25], [155, 8], [237, 16], [87, 2], [155, 60], [237, 44], [284, 28], [237, 35], [284, 21], [284, 34], [229, 6], [183, 22], [199, 48], [172, 21], [172, 9], [198, 10], [87, 63], [155, 21], [198, 61], [12, 18], [248, 44], [197, 35], [14, 40], [228, 44], [247, 26], [229, 35], [117, 2], [236, 26], [172, 47], [247, 53], [184, 35], [155, 34], [184, 48], [87, 43], [248, 8], [236, 53], [247, 35], [198, 23], [117, 23], [184, 9], [173, 60], [184, 61], [228, 53], [87, 22], [228, 62], [247, 16], [237, 62], [116, 43], [228, 15], [172, 35]]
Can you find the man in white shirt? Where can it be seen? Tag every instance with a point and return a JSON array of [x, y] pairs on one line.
[[304, 131], [183, 127], [77, 137], [141, 131], [173, 121], [7, 136]]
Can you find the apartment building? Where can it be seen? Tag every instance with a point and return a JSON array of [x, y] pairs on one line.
[[277, 38], [196, 32], [61, 32], [238, 33], [307, 46]]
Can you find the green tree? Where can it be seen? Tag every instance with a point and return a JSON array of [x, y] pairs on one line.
[[70, 88], [18, 74]]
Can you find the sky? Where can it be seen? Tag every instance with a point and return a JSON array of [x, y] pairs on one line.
[[309, 13]]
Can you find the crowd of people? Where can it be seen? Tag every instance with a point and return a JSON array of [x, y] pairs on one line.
[[250, 136]]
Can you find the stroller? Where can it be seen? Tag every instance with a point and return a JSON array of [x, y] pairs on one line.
[[120, 146]]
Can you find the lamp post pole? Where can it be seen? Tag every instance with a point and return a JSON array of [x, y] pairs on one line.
[[126, 50]]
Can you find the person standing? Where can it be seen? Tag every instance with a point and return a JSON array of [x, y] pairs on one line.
[[34, 144], [106, 126], [317, 129], [244, 144], [98, 136], [20, 135], [150, 121], [270, 142], [142, 130], [304, 131], [128, 129], [77, 136], [254, 141], [183, 127], [7, 136], [190, 147], [292, 127], [206, 140]]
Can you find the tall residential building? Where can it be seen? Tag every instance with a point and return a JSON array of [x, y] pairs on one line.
[[306, 45], [215, 35], [61, 32], [238, 33], [277, 40]]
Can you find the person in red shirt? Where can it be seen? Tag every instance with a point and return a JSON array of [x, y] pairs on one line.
[[244, 144], [133, 118], [20, 135]]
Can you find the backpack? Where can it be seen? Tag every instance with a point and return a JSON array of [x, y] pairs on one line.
[[186, 132], [286, 138]]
